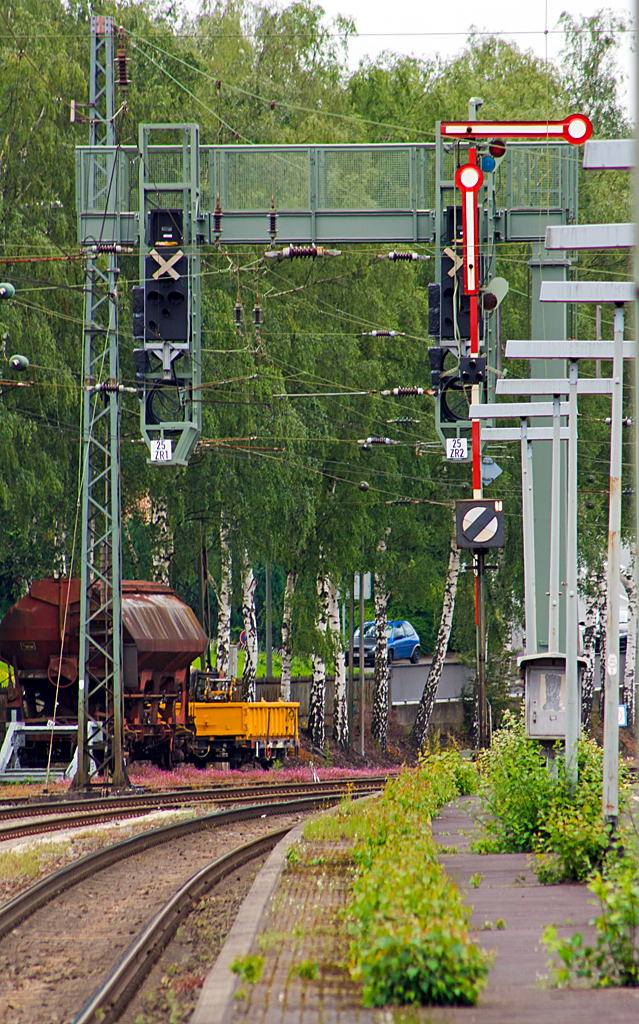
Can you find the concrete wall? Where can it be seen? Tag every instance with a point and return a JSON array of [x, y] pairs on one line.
[[406, 687]]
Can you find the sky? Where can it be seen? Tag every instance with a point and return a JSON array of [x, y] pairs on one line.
[[425, 29]]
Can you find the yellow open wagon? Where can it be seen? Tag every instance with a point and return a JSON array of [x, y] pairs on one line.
[[243, 731]]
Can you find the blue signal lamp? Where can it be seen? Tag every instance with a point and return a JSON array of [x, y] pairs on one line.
[[487, 164]]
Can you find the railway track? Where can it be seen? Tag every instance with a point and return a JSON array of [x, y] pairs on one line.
[[115, 994], [145, 946], [46, 817], [26, 903]]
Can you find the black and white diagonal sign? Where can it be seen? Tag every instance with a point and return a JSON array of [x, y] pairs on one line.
[[480, 524]]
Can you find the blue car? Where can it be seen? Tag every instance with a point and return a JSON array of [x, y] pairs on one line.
[[402, 640]]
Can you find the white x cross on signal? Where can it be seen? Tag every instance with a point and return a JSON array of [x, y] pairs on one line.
[[166, 266], [457, 261]]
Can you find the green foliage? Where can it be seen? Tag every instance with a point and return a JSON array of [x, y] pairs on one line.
[[248, 968], [284, 78], [407, 921], [306, 969], [475, 880], [614, 957], [527, 807]]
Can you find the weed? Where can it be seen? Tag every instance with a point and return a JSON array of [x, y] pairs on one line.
[[500, 924], [306, 969], [475, 880], [293, 855], [527, 808], [248, 968], [29, 863], [408, 925], [614, 958], [487, 926]]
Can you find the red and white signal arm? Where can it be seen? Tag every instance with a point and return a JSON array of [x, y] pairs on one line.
[[575, 129], [469, 180]]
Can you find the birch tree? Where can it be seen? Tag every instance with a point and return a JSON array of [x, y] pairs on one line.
[[287, 637], [379, 722], [589, 642], [340, 705], [427, 701], [222, 592], [602, 613], [628, 696], [249, 675], [317, 697]]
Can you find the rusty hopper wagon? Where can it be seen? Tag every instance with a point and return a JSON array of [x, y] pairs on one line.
[[39, 641]]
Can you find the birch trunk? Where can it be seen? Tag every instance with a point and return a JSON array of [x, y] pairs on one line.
[[629, 681], [223, 596], [589, 642], [379, 723], [317, 697], [163, 549], [602, 606], [249, 674], [287, 644], [155, 514], [340, 706], [427, 701]]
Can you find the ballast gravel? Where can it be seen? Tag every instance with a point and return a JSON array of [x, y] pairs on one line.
[[53, 962]]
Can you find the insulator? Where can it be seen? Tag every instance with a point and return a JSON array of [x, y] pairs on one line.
[[272, 104], [272, 222], [237, 314], [122, 62], [382, 334], [401, 392], [404, 422], [296, 252], [367, 442], [106, 247], [217, 218], [257, 314], [404, 501], [218, 84], [407, 257]]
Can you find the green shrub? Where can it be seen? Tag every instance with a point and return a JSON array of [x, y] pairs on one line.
[[407, 921], [614, 959], [306, 969], [527, 807], [249, 968]]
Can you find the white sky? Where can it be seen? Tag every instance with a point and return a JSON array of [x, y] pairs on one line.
[[424, 29]]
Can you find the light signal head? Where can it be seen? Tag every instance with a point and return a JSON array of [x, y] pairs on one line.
[[496, 153]]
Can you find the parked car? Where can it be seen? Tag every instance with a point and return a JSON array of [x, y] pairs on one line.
[[401, 638]]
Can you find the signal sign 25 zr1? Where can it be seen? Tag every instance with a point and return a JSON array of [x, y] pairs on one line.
[[480, 523]]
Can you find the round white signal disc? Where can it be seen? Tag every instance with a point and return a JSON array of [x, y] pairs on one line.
[[469, 176], [577, 128], [487, 530]]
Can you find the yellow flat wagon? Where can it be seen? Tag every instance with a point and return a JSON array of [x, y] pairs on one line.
[[241, 731]]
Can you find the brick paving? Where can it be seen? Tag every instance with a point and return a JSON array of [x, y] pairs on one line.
[[303, 925]]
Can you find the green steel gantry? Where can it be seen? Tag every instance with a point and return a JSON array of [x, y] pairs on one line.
[[386, 194]]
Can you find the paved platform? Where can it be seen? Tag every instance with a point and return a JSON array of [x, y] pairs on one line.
[[292, 919]]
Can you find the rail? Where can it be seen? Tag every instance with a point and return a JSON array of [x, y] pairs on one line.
[[111, 999], [25, 904]]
